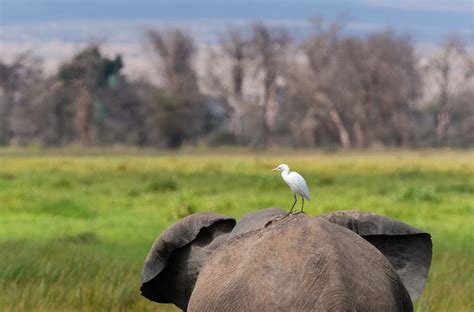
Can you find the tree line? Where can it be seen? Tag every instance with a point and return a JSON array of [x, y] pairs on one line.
[[254, 86]]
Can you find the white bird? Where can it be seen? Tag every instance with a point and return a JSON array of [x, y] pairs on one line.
[[296, 183]]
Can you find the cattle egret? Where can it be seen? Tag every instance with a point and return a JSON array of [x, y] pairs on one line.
[[296, 183]]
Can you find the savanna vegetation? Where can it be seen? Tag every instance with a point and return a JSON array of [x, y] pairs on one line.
[[75, 229]]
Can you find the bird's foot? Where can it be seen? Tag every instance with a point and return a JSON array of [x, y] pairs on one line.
[[293, 213]]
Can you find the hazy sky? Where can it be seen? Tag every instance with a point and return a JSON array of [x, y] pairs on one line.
[[428, 20], [54, 28]]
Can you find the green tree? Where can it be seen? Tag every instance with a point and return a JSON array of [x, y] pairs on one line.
[[86, 77]]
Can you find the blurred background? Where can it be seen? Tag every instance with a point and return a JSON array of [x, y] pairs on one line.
[[118, 118], [349, 74]]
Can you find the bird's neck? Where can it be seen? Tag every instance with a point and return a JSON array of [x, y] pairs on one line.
[[284, 173]]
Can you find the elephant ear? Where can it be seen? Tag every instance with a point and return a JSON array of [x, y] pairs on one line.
[[175, 259], [255, 220], [408, 249]]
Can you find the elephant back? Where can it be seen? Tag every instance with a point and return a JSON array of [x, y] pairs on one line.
[[298, 263]]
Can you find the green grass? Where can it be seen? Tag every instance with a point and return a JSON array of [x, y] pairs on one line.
[[74, 230]]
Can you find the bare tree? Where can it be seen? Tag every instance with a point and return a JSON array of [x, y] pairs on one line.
[[321, 55], [453, 70], [83, 113], [390, 87], [363, 88], [18, 80], [176, 51], [180, 114], [268, 48], [235, 46], [227, 70]]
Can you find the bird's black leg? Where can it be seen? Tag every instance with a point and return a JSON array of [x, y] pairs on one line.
[[291, 210], [302, 203]]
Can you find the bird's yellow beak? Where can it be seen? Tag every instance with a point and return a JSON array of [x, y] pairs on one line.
[[274, 169]]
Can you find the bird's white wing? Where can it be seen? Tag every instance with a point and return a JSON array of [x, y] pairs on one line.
[[298, 184]]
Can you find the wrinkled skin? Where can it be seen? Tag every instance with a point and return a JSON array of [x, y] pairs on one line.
[[408, 249], [299, 264], [341, 261]]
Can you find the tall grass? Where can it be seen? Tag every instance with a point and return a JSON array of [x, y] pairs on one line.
[[74, 230]]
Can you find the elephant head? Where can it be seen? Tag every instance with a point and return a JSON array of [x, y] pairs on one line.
[[298, 263], [256, 220], [273, 262]]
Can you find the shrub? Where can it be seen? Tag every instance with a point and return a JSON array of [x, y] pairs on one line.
[[221, 138]]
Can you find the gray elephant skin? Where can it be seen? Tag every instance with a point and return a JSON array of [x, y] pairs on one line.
[[340, 261]]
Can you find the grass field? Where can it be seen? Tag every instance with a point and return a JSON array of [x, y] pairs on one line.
[[74, 230]]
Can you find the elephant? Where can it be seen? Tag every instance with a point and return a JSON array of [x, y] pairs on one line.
[[272, 261]]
